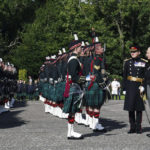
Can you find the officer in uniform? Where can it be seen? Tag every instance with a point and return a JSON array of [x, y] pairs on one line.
[[147, 76], [73, 90], [133, 76]]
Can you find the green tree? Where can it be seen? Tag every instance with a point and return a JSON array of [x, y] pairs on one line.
[[33, 29]]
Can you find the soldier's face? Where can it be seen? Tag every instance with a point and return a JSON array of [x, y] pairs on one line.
[[99, 49], [135, 54], [148, 54], [79, 50]]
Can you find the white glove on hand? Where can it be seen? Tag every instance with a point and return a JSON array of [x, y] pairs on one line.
[[141, 88], [124, 92], [88, 78], [103, 85]]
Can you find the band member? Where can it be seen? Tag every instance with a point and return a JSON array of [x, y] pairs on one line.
[[95, 93], [133, 76], [73, 92]]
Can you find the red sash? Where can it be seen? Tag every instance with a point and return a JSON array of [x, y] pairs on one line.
[[91, 83], [67, 87]]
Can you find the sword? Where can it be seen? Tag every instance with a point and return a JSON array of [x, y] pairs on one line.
[[145, 106]]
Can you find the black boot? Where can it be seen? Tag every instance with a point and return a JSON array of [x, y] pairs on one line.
[[132, 122], [131, 131], [138, 122]]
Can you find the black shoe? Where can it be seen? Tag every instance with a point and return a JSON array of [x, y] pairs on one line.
[[75, 138], [79, 124], [139, 131], [102, 131], [86, 125], [148, 135], [131, 131]]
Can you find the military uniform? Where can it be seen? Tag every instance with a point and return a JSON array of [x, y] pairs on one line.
[[134, 71], [147, 83], [74, 69], [94, 94], [133, 76], [73, 90]]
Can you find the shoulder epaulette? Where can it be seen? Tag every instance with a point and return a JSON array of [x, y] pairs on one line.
[[144, 60], [127, 59]]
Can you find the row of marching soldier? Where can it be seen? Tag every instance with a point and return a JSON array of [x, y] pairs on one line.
[[8, 85], [74, 80]]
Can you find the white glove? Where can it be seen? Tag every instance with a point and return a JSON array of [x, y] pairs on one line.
[[141, 88], [124, 92], [88, 78], [59, 79], [103, 85]]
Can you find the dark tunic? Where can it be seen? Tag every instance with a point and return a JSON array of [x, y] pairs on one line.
[[134, 68], [64, 69], [95, 95], [73, 69], [147, 82], [71, 104], [147, 75]]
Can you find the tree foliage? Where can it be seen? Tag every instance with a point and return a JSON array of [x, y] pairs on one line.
[[33, 29]]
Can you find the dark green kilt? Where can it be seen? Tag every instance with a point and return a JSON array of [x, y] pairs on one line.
[[60, 91], [52, 93], [41, 87], [45, 90], [72, 103], [48, 92], [94, 97], [57, 89], [35, 94]]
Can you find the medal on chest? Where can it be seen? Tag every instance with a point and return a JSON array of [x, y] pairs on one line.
[[139, 64]]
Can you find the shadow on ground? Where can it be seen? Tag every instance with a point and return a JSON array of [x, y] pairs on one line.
[[109, 125], [112, 124], [20, 104], [10, 119]]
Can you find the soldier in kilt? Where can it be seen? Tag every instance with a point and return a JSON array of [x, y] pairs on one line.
[[73, 92], [133, 76], [18, 89], [4, 101], [86, 72], [36, 90], [41, 82], [13, 84], [60, 87], [2, 87], [47, 85], [95, 93], [24, 87]]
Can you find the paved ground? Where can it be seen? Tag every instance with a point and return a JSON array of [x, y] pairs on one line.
[[27, 127]]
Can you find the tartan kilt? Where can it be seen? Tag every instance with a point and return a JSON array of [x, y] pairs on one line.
[[45, 90], [24, 94], [52, 93], [41, 84], [95, 96], [18, 95], [49, 97], [36, 94], [71, 105], [60, 91]]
